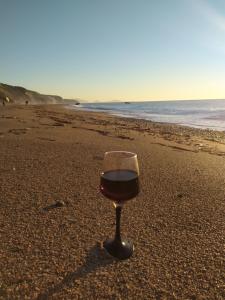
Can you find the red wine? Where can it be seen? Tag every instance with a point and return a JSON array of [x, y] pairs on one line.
[[119, 185]]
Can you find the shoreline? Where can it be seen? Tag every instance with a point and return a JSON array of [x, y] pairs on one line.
[[51, 155], [183, 119], [191, 126], [204, 139]]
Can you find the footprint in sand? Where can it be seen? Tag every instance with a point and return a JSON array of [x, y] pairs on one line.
[[98, 157], [58, 124], [60, 121], [8, 117], [124, 137], [18, 131], [46, 139]]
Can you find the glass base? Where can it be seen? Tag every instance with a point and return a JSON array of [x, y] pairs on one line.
[[120, 250]]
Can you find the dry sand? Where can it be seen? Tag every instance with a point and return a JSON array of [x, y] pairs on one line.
[[50, 154]]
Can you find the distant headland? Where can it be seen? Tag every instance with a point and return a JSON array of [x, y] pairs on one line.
[[20, 95]]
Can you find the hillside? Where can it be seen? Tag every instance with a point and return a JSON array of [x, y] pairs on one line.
[[19, 95]]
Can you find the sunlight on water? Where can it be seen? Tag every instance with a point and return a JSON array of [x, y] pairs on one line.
[[198, 113]]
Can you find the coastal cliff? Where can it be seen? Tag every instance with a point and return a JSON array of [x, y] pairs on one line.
[[20, 95]]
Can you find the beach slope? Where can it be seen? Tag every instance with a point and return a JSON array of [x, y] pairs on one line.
[[53, 218]]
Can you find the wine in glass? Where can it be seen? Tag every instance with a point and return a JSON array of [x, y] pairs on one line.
[[119, 183]]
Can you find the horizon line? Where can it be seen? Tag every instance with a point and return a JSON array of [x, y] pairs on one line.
[[116, 100]]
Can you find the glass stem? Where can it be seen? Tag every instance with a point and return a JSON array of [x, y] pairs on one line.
[[117, 233]]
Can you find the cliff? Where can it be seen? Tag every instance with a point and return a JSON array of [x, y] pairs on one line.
[[19, 95]]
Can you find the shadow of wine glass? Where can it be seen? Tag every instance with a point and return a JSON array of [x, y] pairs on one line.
[[95, 259]]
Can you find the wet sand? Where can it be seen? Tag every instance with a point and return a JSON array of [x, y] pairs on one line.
[[53, 218]]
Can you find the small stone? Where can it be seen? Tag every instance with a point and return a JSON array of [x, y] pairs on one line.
[[180, 195], [72, 220], [59, 203]]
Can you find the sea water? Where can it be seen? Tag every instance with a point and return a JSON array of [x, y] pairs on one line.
[[194, 113]]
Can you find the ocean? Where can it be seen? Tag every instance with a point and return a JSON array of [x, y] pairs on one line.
[[194, 113]]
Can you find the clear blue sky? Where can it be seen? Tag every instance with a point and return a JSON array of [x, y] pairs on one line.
[[115, 49]]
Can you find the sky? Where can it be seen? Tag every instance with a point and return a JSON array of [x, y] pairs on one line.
[[104, 50]]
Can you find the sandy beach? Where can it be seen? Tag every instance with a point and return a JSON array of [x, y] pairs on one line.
[[53, 218]]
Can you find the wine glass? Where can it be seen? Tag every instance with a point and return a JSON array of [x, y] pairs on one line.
[[119, 183]]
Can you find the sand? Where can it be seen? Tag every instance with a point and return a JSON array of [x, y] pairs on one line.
[[53, 218]]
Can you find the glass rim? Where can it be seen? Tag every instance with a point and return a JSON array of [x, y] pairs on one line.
[[131, 154]]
